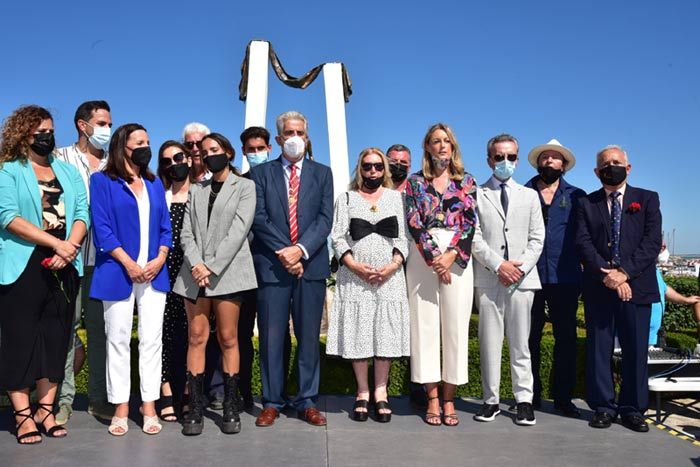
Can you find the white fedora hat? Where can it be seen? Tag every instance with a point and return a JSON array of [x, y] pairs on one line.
[[553, 145]]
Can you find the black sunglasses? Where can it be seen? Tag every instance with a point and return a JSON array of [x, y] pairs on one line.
[[192, 144], [178, 158], [500, 157], [378, 166]]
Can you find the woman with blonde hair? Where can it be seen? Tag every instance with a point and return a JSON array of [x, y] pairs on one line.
[[370, 316], [441, 214]]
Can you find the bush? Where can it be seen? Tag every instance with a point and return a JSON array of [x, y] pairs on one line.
[[678, 317], [337, 376]]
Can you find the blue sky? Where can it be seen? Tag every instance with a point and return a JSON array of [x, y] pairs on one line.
[[587, 73]]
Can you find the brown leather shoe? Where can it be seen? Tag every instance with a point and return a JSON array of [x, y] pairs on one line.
[[267, 417], [314, 417]]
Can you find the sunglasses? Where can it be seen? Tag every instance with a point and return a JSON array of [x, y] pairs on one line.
[[178, 158], [500, 157], [192, 144], [378, 166]]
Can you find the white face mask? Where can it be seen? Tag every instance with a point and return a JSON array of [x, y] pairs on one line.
[[294, 148], [100, 137], [663, 256]]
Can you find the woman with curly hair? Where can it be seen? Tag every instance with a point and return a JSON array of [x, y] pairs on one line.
[[43, 219]]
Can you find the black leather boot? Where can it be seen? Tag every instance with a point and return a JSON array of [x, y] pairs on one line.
[[231, 422], [193, 423]]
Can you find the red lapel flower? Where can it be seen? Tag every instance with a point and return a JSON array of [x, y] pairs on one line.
[[634, 207]]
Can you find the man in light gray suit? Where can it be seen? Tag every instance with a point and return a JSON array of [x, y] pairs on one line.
[[507, 244]]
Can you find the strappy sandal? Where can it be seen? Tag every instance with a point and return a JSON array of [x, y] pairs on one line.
[[116, 424], [51, 432], [379, 416], [432, 416], [449, 419], [151, 426], [30, 434], [166, 402], [360, 415]]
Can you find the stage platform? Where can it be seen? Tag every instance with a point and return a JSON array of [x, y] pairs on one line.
[[406, 441]]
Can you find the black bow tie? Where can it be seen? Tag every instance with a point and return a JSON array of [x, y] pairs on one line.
[[387, 227]]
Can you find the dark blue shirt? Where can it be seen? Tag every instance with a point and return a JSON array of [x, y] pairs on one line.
[[559, 262]]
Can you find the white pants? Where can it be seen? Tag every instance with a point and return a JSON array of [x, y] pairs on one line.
[[499, 308], [118, 322], [439, 312]]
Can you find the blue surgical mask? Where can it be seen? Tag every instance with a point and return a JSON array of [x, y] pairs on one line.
[[100, 137], [504, 170], [257, 158]]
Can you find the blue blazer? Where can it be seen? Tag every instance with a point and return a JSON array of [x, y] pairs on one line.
[[20, 197], [558, 263], [115, 223], [271, 222], [640, 243]]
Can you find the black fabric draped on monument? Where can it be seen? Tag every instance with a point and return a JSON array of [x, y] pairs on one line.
[[300, 83]]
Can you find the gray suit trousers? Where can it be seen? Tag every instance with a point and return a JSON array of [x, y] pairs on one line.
[[498, 309]]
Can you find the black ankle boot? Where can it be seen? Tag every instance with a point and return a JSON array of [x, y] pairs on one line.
[[231, 422], [194, 421]]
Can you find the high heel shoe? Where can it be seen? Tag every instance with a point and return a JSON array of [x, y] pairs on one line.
[[51, 432], [360, 415], [379, 416], [432, 415], [118, 426], [30, 434], [449, 419], [166, 402], [150, 424]]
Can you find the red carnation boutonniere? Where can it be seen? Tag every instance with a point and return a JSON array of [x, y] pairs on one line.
[[634, 207]]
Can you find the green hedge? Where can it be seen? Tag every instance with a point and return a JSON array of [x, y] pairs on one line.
[[337, 376], [677, 317]]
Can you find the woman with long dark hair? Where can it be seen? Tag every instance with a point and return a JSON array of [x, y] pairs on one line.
[[132, 232], [43, 219], [218, 268]]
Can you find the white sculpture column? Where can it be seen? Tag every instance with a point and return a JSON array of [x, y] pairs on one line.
[[256, 101], [337, 128]]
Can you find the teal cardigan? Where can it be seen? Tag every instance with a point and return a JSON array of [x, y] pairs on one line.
[[20, 197]]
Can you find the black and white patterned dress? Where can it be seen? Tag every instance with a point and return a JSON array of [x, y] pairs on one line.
[[175, 318], [369, 321]]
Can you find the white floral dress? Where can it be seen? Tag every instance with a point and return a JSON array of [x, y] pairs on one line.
[[365, 320]]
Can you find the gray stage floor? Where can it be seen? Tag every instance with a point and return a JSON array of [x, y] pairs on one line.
[[406, 441]]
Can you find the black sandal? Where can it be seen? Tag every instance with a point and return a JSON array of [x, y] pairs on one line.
[[51, 432], [449, 416], [432, 415], [165, 403], [360, 415], [382, 417], [18, 413]]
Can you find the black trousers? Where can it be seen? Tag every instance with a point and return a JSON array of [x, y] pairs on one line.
[[605, 315], [36, 315], [561, 301], [246, 327]]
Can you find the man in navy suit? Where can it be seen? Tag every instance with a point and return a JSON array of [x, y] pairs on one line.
[[293, 218], [618, 239]]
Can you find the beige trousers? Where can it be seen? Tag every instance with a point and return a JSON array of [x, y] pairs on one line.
[[439, 314]]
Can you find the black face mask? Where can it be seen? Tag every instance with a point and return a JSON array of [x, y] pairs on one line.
[[613, 175], [178, 172], [372, 183], [549, 175], [43, 144], [141, 156], [398, 172], [216, 162]]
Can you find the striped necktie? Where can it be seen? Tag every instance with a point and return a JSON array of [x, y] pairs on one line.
[[293, 198]]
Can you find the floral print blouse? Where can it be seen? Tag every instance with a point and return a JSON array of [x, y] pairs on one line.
[[427, 209]]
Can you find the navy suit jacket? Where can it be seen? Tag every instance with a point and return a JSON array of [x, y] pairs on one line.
[[640, 243], [271, 223]]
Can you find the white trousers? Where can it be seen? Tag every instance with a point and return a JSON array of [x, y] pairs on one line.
[[118, 323], [439, 313], [499, 308]]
